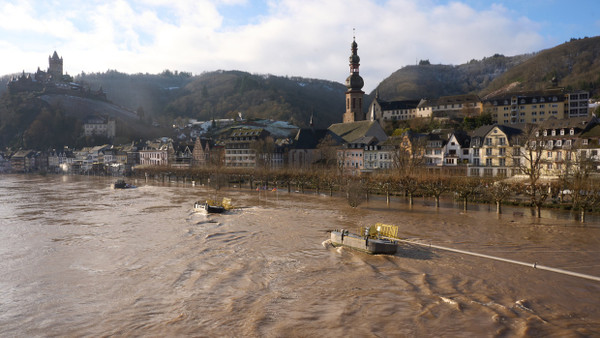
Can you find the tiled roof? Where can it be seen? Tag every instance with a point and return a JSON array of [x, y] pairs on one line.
[[349, 132], [398, 105], [309, 138]]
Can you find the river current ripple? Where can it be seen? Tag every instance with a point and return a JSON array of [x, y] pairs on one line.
[[81, 259]]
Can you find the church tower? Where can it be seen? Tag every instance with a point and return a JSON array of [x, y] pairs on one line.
[[354, 94], [55, 67]]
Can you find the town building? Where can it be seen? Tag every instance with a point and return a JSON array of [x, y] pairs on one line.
[[305, 152], [23, 161], [577, 104], [201, 152], [495, 150], [566, 144], [526, 107], [354, 137], [60, 161], [241, 149], [156, 154], [386, 111], [95, 125], [456, 106]]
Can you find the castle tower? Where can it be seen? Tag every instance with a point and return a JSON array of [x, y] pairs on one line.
[[55, 68], [354, 94]]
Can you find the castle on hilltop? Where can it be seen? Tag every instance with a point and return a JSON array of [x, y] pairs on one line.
[[52, 81]]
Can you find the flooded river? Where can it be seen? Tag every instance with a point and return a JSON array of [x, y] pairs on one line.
[[81, 259]]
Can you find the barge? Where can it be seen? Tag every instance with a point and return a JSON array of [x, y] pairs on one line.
[[367, 243]]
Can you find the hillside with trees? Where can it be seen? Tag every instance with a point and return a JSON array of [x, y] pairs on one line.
[[575, 64], [432, 81], [222, 94]]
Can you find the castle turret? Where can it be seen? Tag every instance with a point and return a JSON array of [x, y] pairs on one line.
[[55, 67]]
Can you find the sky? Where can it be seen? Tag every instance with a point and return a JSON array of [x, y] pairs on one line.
[[307, 38]]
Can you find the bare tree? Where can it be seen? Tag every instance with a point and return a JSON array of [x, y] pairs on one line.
[[466, 187], [354, 193], [264, 149], [498, 191], [529, 161], [583, 187], [435, 186], [327, 152], [410, 184], [408, 152]]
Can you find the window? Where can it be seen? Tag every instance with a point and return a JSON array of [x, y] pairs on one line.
[[501, 162], [502, 151], [488, 151], [476, 152], [549, 154]]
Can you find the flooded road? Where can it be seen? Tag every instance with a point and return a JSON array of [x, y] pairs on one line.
[[81, 259]]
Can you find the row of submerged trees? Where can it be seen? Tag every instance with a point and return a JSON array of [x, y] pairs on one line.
[[579, 192]]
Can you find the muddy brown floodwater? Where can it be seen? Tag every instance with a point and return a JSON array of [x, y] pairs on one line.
[[81, 259]]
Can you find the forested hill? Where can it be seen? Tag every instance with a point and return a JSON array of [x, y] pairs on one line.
[[222, 94], [432, 81], [225, 93], [575, 64]]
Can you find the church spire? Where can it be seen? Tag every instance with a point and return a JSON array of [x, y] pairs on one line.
[[354, 83]]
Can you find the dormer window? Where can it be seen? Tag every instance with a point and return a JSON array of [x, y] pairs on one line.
[[572, 131], [562, 131], [522, 101], [545, 133], [553, 132]]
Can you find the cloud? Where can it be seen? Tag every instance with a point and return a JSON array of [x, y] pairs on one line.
[[309, 38]]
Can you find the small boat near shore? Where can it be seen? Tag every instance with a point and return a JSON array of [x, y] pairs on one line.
[[213, 207], [373, 242], [121, 184]]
